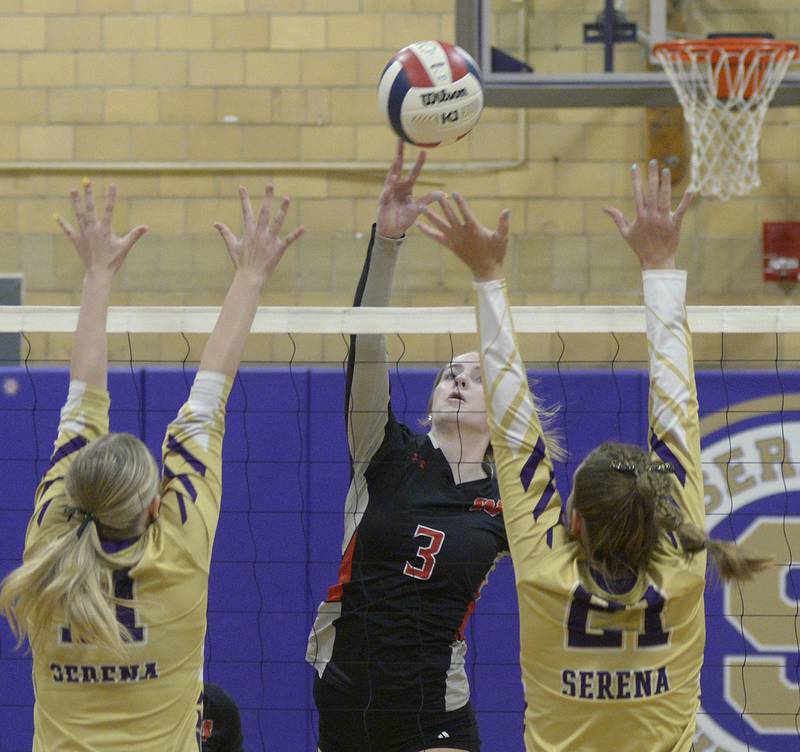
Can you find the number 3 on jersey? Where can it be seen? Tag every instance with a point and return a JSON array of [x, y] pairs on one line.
[[426, 552]]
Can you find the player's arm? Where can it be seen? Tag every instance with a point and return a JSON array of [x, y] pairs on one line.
[[367, 391], [84, 416], [654, 235], [192, 450], [531, 504]]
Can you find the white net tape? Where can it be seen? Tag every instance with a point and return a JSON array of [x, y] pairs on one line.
[[417, 320], [725, 95]]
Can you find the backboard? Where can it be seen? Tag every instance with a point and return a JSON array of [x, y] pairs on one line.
[[563, 43]]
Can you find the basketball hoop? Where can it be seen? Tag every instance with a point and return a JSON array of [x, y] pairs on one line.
[[725, 87]]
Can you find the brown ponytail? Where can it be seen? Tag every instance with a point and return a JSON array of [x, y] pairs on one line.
[[625, 502]]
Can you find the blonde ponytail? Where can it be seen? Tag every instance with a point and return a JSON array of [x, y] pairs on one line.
[[68, 581]]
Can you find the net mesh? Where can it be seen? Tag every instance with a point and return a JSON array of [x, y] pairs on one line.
[[286, 473], [725, 95]]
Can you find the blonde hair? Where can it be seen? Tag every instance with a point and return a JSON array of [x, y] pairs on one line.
[[109, 487], [625, 502]]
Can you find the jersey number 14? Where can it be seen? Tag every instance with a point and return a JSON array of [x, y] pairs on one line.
[[123, 589]]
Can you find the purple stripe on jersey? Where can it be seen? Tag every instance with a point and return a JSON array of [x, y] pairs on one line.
[[665, 455], [40, 518], [546, 496], [47, 485], [181, 507], [549, 537], [183, 478], [115, 546], [673, 539], [65, 450], [529, 468], [173, 445]]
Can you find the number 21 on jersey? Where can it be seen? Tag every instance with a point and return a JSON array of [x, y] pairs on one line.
[[580, 635], [426, 553]]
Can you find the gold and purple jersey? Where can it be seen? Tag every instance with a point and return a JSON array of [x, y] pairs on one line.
[[150, 699], [604, 665]]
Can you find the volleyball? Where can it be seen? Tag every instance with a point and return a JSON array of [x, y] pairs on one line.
[[431, 93]]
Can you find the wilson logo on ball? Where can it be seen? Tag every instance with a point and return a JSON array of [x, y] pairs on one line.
[[442, 96], [431, 93]]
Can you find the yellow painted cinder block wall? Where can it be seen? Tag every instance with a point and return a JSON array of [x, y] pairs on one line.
[[188, 81]]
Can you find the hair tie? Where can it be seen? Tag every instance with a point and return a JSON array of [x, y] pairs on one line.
[[87, 518], [623, 467], [662, 467]]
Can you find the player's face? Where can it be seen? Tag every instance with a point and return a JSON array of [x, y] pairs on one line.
[[459, 394]]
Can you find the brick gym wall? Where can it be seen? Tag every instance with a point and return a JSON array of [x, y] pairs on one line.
[[135, 81]]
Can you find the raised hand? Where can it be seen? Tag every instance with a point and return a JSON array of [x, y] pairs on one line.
[[481, 249], [654, 233], [397, 208], [100, 250], [261, 247]]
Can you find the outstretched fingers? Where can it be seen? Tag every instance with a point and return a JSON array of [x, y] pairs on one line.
[[80, 215], [448, 212], [396, 167], [685, 203], [416, 169], [229, 239], [463, 207], [437, 222], [293, 235], [247, 210], [427, 230], [111, 199], [638, 192], [651, 199], [89, 192], [425, 201], [128, 241], [280, 217], [619, 219], [665, 192], [503, 223], [67, 229], [266, 209]]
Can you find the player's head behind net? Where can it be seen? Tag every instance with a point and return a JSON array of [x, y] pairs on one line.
[[470, 417], [626, 516], [111, 490]]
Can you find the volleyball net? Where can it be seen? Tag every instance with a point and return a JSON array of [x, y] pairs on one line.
[[286, 473]]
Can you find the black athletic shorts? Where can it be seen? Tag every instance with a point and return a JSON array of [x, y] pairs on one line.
[[344, 728]]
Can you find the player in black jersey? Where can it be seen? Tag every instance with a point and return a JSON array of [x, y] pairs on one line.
[[423, 530]]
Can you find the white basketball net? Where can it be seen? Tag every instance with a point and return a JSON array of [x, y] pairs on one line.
[[725, 130]]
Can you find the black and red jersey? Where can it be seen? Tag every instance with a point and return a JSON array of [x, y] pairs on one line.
[[417, 546]]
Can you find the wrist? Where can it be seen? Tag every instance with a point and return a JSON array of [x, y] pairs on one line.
[[98, 277], [488, 274], [647, 266], [250, 280], [390, 233]]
